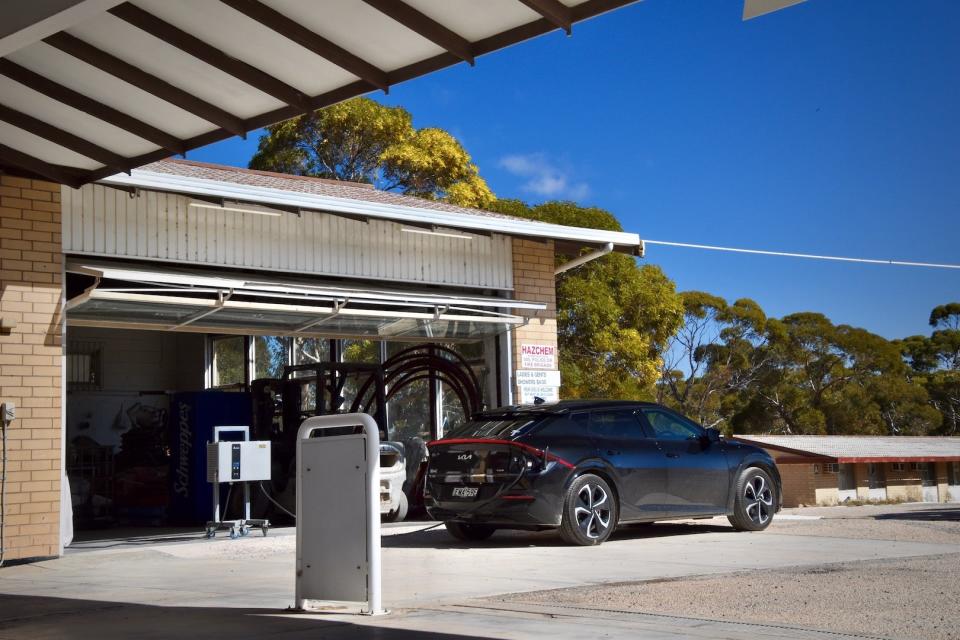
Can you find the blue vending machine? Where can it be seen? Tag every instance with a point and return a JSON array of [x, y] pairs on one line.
[[192, 419]]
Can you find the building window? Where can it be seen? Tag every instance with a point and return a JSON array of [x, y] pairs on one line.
[[229, 362], [898, 466], [817, 468], [832, 467], [84, 365], [270, 355]]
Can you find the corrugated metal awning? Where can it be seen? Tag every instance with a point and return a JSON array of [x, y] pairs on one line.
[[91, 88]]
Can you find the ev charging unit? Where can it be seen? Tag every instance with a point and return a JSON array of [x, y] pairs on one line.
[[338, 513]]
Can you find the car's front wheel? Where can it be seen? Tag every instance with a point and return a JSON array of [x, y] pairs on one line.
[[469, 532], [589, 511], [755, 502]]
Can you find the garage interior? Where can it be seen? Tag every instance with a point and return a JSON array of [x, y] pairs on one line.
[[142, 401]]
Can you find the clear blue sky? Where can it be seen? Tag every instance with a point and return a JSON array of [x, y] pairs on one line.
[[831, 127]]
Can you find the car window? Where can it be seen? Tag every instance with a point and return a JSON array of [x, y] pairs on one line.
[[619, 423], [667, 426], [507, 427]]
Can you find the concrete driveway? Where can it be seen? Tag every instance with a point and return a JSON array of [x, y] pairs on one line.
[[435, 586]]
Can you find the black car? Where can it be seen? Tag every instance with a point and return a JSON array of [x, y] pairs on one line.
[[584, 467]]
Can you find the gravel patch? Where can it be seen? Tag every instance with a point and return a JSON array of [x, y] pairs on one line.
[[869, 528], [902, 598]]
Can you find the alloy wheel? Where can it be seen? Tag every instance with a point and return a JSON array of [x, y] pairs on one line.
[[758, 500], [592, 510]]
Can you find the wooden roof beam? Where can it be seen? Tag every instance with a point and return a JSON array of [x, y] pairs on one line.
[[63, 138], [425, 26], [296, 32], [39, 167], [554, 12], [147, 82], [98, 110], [209, 54]]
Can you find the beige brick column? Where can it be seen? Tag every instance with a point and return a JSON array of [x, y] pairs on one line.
[[533, 280], [31, 356]]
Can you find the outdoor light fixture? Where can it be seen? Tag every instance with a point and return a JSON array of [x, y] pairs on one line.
[[244, 209], [444, 234]]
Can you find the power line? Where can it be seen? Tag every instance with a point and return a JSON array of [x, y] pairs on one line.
[[810, 256]]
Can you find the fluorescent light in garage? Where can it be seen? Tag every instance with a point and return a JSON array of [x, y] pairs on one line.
[[442, 234], [263, 211]]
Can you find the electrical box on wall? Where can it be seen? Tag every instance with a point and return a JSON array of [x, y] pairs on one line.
[[238, 461]]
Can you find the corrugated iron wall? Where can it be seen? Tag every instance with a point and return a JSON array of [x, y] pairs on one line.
[[101, 221]]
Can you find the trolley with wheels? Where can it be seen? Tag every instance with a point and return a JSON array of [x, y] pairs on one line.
[[236, 462]]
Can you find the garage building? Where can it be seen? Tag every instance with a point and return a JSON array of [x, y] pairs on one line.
[[829, 470], [173, 290]]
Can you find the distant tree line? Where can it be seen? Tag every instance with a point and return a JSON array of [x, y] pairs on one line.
[[731, 366]]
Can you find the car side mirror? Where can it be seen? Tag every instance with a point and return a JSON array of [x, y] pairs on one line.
[[713, 435]]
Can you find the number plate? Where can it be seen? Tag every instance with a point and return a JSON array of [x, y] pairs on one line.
[[465, 492]]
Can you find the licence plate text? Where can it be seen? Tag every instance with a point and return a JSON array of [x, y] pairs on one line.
[[465, 492]]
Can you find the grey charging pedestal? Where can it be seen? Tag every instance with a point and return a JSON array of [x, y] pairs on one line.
[[338, 513]]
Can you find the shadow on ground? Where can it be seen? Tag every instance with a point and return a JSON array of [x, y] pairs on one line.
[[945, 514], [438, 538], [40, 618]]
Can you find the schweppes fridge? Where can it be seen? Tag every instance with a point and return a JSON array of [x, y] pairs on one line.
[[192, 419]]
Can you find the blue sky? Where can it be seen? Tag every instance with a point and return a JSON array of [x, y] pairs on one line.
[[831, 127]]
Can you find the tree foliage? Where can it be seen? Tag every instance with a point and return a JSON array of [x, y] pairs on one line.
[[731, 366], [363, 141], [614, 318]]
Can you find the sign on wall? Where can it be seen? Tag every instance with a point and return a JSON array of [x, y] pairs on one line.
[[538, 384], [538, 356]]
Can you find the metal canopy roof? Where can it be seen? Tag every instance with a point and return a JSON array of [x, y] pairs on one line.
[[96, 87], [863, 448]]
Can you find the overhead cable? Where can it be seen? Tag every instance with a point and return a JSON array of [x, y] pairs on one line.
[[809, 256]]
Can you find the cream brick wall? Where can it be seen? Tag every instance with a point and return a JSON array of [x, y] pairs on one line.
[[31, 363], [533, 280]]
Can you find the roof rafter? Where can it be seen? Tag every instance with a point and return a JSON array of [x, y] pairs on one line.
[[426, 27], [176, 37], [98, 110], [554, 11], [582, 11], [63, 138], [296, 32], [148, 82], [39, 167]]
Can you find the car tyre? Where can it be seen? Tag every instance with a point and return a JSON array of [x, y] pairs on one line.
[[755, 500], [589, 511], [400, 513], [469, 532]]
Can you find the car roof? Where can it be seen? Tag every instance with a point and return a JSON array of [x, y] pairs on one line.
[[565, 406]]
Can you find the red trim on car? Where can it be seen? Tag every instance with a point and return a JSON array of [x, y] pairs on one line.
[[518, 498], [510, 443]]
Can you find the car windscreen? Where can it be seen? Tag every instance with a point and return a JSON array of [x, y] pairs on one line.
[[496, 427]]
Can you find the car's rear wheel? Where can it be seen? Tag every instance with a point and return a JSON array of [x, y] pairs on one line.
[[755, 502], [589, 511], [469, 532]]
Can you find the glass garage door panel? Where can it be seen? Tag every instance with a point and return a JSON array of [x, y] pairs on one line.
[[134, 312]]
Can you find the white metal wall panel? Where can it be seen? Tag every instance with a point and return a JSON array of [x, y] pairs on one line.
[[100, 221]]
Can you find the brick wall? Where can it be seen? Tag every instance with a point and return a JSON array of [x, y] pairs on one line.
[[533, 281], [30, 363]]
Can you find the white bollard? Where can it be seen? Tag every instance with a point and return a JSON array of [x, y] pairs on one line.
[[338, 513]]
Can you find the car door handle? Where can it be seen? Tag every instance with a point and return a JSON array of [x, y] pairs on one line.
[[673, 455]]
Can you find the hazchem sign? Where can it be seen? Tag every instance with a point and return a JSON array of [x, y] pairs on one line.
[[538, 356]]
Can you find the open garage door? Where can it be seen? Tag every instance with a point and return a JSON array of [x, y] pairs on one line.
[[137, 297]]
